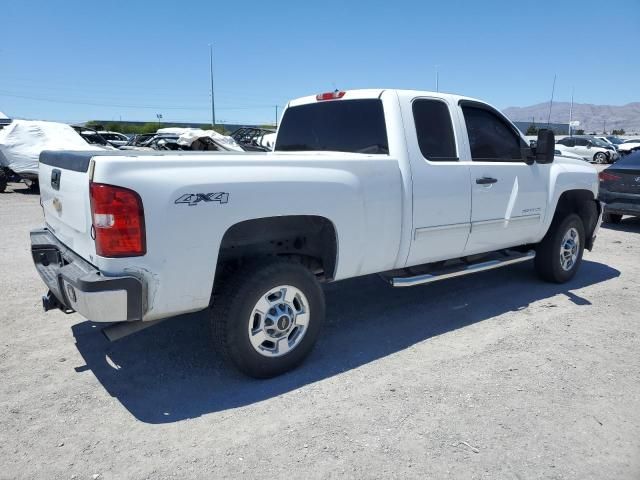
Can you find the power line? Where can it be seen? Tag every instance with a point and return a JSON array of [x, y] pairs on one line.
[[155, 107]]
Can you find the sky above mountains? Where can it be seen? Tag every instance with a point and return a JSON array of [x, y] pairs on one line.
[[74, 61]]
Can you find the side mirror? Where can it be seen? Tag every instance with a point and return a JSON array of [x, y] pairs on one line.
[[545, 146], [589, 144]]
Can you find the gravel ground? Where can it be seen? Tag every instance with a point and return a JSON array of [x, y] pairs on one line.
[[495, 375]]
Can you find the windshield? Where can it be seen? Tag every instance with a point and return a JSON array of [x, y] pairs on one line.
[[355, 126], [600, 143], [615, 140]]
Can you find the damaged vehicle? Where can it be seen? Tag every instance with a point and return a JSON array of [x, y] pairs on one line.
[[253, 138], [22, 141]]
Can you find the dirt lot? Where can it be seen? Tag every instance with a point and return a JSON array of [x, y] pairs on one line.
[[490, 376]]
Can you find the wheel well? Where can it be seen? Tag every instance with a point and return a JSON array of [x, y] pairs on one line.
[[310, 239], [582, 203]]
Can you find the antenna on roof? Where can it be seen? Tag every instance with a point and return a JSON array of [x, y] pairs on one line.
[[553, 89], [571, 114]]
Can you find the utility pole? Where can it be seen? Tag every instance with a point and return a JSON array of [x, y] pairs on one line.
[[437, 79], [276, 116], [604, 127], [553, 89], [571, 113], [213, 109]]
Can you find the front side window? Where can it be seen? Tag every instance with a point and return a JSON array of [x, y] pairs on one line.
[[356, 126], [434, 130], [490, 137]]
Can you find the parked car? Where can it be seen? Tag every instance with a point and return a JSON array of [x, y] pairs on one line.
[[588, 148], [629, 146], [608, 142], [114, 138], [360, 182], [620, 188], [567, 154], [92, 136], [139, 139], [613, 139]]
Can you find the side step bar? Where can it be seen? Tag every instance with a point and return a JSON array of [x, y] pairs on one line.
[[466, 270]]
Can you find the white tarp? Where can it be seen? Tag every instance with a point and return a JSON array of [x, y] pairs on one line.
[[22, 141], [192, 134]]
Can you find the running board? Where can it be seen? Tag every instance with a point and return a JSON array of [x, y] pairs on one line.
[[466, 270]]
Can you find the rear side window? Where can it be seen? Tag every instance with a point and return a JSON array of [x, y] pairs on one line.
[[490, 137], [434, 130], [355, 126]]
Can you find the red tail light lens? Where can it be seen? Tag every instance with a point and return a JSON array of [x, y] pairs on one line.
[[118, 221], [330, 95], [608, 177]]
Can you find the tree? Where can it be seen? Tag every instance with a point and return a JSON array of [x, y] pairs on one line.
[[580, 132], [618, 132], [532, 130]]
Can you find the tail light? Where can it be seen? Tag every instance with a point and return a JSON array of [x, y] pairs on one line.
[[608, 177], [118, 221], [330, 95]]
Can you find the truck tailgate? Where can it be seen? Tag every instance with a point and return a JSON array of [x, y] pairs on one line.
[[64, 195]]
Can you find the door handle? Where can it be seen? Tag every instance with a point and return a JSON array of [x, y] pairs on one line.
[[486, 180]]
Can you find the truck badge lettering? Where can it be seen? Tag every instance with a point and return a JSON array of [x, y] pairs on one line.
[[192, 199]]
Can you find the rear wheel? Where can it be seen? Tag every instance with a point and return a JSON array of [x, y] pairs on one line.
[[600, 158], [267, 317], [559, 255], [612, 218]]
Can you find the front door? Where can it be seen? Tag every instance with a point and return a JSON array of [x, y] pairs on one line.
[[508, 197]]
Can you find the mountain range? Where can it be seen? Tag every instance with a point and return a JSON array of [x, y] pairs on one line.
[[592, 118]]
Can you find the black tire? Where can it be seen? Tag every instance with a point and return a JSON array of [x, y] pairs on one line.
[[612, 218], [547, 261], [3, 180], [600, 158], [233, 306]]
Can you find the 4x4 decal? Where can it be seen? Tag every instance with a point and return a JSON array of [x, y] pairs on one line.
[[192, 199]]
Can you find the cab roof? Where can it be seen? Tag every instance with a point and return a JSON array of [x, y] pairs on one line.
[[377, 93]]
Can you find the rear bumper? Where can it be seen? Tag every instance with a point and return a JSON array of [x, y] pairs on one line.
[[621, 203], [76, 285]]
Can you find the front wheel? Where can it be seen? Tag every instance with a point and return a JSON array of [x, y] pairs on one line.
[[559, 254], [600, 158], [267, 317]]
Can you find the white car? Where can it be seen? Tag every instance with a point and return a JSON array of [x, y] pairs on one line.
[[629, 146], [415, 186], [560, 152], [114, 138], [586, 148]]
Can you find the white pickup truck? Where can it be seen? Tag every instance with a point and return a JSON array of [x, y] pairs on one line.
[[415, 186]]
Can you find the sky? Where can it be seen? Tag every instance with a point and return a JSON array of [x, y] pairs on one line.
[[73, 61]]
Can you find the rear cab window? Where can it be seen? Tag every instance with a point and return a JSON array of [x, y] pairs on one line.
[[434, 130], [355, 126]]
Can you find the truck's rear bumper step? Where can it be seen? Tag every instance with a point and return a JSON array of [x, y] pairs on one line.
[[76, 285], [510, 259]]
